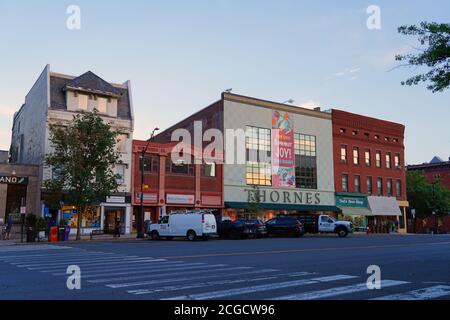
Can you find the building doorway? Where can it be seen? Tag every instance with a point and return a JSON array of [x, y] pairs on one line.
[[114, 216]]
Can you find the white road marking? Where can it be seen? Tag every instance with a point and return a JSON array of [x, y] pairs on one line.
[[161, 273], [102, 272], [420, 294], [321, 294], [213, 283], [21, 248], [260, 288], [143, 283], [133, 261], [46, 257], [73, 261]]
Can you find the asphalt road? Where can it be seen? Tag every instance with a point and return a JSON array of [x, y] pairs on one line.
[[312, 267]]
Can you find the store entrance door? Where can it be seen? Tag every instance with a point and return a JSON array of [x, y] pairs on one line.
[[114, 217]]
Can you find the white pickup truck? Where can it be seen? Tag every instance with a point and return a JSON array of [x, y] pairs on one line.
[[313, 223]]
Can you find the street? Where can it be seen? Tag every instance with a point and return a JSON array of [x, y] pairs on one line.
[[312, 267]]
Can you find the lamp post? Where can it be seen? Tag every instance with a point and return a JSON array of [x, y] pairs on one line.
[[140, 220]]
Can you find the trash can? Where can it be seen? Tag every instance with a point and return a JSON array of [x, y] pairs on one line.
[[31, 237], [61, 232], [66, 233], [53, 234]]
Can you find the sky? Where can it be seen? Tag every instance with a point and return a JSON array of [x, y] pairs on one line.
[[180, 56]]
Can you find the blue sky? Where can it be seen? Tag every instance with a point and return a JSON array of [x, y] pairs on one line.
[[180, 55]]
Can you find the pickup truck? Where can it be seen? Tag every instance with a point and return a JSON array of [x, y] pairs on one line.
[[313, 223]]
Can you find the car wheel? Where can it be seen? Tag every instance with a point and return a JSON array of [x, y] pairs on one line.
[[191, 235], [342, 233], [154, 235]]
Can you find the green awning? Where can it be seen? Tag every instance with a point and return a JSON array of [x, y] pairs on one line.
[[277, 206]]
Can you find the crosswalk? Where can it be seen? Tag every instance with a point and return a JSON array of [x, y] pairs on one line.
[[155, 278]]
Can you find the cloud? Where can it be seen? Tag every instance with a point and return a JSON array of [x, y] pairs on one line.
[[347, 72]]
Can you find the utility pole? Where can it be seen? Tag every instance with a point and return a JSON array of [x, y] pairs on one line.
[[140, 220]]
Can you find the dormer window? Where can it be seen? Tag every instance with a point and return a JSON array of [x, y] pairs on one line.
[[102, 105], [83, 102]]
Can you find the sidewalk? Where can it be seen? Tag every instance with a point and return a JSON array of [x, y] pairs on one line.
[[84, 239]]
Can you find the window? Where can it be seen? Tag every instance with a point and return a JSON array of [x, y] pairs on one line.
[[344, 154], [389, 188], [102, 105], [388, 160], [357, 184], [82, 101], [355, 155], [379, 186], [397, 161], [398, 188], [342, 130], [179, 167], [377, 137], [369, 185], [120, 173], [258, 153], [121, 143], [345, 183], [378, 159], [305, 161], [208, 169], [367, 158], [354, 132], [151, 164]]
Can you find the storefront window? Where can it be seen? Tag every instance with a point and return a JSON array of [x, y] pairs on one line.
[[258, 153], [305, 161], [89, 219]]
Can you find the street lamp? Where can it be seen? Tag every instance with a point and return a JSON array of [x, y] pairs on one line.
[[140, 220]]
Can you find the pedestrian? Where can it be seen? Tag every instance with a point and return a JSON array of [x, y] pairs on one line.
[[9, 224], [118, 227]]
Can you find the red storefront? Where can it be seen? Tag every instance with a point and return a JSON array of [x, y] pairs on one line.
[[369, 164], [170, 186]]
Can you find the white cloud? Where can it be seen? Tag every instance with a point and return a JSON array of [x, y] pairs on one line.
[[347, 72], [310, 104]]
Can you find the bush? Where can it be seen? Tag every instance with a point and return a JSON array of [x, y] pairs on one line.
[[41, 225]]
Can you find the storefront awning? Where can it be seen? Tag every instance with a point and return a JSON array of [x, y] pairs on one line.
[[384, 206], [277, 206], [356, 211]]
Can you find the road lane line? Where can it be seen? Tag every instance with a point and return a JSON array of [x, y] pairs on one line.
[[420, 294], [73, 261], [260, 288], [102, 264], [102, 272], [159, 281], [321, 294], [43, 256], [197, 269], [214, 283], [242, 253]]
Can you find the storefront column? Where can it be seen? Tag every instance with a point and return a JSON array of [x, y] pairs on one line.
[[102, 217], [128, 220], [3, 195]]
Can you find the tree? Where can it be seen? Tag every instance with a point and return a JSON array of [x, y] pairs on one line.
[[422, 198], [435, 38], [254, 201], [83, 159]]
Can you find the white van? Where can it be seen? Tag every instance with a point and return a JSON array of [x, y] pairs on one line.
[[189, 225]]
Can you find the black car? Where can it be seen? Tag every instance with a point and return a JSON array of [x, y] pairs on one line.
[[261, 230], [238, 229], [285, 226]]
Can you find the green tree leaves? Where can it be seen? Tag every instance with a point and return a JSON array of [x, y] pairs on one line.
[[435, 38], [82, 161]]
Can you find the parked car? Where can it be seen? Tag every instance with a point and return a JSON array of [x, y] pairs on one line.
[[238, 229], [189, 225], [261, 230], [285, 226], [314, 223]]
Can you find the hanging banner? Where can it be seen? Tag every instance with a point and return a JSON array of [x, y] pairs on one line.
[[283, 158]]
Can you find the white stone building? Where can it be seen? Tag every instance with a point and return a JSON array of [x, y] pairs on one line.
[[56, 98]]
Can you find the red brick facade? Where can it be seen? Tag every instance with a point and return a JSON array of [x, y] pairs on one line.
[[160, 183], [434, 171], [368, 134]]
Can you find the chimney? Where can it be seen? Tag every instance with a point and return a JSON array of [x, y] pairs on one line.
[[317, 109]]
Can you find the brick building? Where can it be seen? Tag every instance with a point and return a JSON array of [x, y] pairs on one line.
[[436, 169], [369, 169], [170, 186]]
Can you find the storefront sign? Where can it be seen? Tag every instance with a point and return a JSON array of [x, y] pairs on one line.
[[283, 158], [180, 199], [351, 202], [115, 199], [284, 197], [148, 197], [13, 180]]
